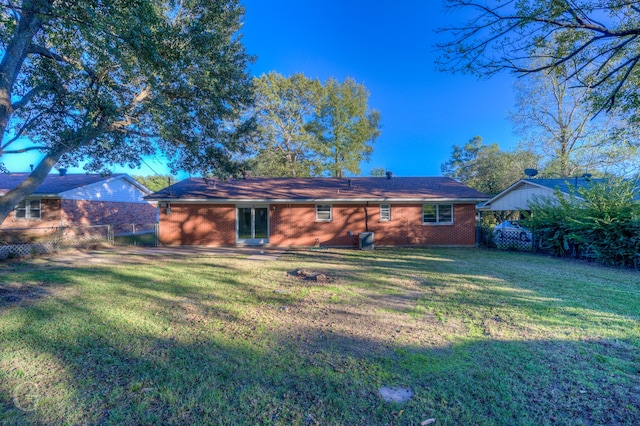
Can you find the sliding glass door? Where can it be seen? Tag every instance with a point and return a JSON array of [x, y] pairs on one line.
[[252, 225]]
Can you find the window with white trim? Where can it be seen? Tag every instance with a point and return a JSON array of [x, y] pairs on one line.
[[323, 213], [385, 212], [27, 209], [437, 214]]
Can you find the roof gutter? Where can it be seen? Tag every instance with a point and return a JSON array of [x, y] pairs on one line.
[[37, 195], [314, 200]]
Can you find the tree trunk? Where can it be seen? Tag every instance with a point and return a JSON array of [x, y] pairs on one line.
[[29, 25], [26, 187]]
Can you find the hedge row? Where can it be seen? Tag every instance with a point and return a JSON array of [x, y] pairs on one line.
[[600, 223]]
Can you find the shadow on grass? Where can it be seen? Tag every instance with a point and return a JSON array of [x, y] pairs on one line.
[[180, 350], [214, 381]]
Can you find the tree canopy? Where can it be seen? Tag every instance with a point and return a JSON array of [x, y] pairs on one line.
[[485, 167], [310, 128], [155, 182], [346, 127], [531, 36], [285, 108], [110, 81], [554, 119]]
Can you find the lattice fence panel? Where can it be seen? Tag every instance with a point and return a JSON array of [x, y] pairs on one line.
[[10, 251], [513, 240]]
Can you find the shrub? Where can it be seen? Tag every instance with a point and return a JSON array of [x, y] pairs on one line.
[[601, 222]]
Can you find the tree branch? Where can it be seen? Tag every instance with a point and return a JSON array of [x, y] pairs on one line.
[[23, 150], [29, 95]]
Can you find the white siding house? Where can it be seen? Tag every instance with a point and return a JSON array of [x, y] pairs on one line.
[[121, 189], [519, 195]]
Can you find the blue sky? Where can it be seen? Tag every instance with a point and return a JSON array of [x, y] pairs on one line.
[[388, 47]]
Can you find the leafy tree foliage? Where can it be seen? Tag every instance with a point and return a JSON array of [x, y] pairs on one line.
[[308, 128], [485, 167], [601, 222], [554, 118], [155, 182], [285, 108], [532, 36], [114, 80], [346, 127], [378, 172]]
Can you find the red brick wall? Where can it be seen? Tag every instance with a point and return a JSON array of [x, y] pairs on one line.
[[296, 225], [107, 213], [197, 224], [55, 211], [50, 215]]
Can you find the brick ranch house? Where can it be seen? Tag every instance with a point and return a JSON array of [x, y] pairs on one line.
[[79, 199], [299, 212]]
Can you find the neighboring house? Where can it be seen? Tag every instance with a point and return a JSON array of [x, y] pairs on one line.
[[289, 212], [79, 199], [520, 194]]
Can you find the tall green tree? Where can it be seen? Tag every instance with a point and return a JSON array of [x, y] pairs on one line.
[[111, 81], [346, 127], [285, 108], [554, 118], [534, 36], [485, 167]]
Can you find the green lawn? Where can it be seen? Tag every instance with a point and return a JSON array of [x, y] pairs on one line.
[[480, 337]]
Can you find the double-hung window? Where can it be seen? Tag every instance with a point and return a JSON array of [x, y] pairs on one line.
[[385, 212], [437, 214], [27, 209], [323, 213]]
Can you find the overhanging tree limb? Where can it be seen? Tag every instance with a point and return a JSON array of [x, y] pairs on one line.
[[507, 35], [125, 83]]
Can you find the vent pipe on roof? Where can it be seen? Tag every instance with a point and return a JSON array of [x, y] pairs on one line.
[[350, 183], [246, 175], [62, 171], [389, 175]]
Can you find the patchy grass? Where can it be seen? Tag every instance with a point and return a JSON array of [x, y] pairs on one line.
[[480, 337]]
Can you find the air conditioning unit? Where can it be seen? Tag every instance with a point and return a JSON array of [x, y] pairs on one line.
[[365, 240]]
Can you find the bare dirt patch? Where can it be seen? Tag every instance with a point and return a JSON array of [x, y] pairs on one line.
[[16, 293]]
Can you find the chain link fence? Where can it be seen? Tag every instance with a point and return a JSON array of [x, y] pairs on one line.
[[515, 240], [26, 242]]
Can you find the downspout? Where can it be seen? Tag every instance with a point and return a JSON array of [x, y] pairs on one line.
[[366, 217]]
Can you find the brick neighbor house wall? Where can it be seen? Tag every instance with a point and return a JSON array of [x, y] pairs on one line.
[[198, 224], [83, 212], [50, 215], [296, 225]]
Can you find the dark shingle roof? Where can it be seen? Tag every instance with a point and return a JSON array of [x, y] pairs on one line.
[[567, 185], [301, 189], [52, 184]]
